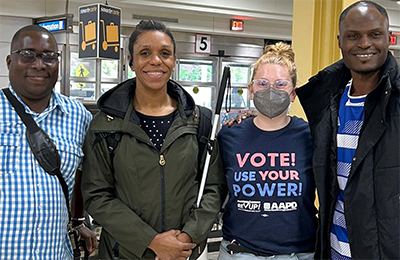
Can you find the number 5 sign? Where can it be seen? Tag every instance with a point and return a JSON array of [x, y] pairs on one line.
[[203, 43]]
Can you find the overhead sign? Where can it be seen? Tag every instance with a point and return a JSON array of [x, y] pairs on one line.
[[393, 40], [99, 31], [54, 26], [203, 43], [237, 25], [59, 23]]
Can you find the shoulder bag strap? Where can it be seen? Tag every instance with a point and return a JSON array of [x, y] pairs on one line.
[[40, 143]]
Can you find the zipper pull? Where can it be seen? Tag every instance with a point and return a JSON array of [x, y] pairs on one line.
[[109, 118], [195, 116], [162, 160]]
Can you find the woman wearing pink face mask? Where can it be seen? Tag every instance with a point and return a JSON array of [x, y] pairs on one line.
[[268, 168]]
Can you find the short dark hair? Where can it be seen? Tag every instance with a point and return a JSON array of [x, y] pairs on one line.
[[378, 7], [145, 26], [29, 28]]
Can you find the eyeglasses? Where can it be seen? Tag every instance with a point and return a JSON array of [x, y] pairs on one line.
[[278, 84], [29, 56]]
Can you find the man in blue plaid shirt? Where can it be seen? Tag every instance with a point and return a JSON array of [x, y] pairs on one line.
[[33, 211]]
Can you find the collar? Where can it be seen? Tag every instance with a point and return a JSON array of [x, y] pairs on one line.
[[55, 101]]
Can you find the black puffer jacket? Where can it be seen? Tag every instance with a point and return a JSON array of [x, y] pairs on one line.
[[371, 197]]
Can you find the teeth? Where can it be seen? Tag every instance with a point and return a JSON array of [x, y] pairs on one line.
[[364, 55], [155, 73]]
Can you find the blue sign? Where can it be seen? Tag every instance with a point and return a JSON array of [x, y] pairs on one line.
[[54, 26]]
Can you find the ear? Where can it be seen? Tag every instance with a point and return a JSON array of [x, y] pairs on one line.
[[338, 40], [250, 90], [8, 61], [390, 34], [174, 62], [293, 94], [130, 62]]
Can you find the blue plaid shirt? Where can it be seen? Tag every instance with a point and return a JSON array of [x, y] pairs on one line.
[[33, 214]]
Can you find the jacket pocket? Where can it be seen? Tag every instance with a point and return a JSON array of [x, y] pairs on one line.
[[390, 207], [387, 191]]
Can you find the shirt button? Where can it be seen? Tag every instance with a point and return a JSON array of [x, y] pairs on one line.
[[38, 230], [39, 185], [354, 159]]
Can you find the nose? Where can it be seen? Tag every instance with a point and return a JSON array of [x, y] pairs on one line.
[[155, 59], [38, 62], [364, 42]]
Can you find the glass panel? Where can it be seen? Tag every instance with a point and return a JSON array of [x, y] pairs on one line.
[[82, 68], [240, 72], [82, 91], [195, 70], [109, 69], [201, 95], [57, 87], [131, 73], [106, 86], [239, 98]]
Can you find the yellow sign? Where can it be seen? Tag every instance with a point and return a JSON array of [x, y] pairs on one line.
[[99, 31], [89, 30], [82, 71], [112, 37]]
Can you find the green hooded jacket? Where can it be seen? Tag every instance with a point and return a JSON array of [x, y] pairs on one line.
[[142, 192]]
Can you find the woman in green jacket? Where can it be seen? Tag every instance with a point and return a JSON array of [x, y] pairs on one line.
[[143, 192]]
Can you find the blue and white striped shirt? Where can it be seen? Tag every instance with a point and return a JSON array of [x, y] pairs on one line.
[[351, 118], [33, 214]]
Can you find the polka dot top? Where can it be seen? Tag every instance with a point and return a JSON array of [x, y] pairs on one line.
[[156, 127]]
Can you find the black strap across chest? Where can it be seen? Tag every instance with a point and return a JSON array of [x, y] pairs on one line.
[[41, 144]]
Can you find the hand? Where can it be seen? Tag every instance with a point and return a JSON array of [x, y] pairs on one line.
[[238, 119], [184, 237], [168, 247], [90, 239]]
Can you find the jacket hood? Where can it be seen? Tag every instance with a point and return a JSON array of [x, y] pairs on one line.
[[115, 101]]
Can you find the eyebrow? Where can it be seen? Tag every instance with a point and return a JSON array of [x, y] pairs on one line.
[[147, 46]]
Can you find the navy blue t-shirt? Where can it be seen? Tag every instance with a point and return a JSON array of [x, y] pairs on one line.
[[271, 187]]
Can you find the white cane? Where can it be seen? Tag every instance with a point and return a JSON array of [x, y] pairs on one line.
[[221, 93]]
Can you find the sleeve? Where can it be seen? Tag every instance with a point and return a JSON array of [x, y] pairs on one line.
[[201, 219], [100, 200], [86, 122]]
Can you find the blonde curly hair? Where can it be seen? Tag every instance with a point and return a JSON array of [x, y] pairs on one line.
[[279, 54]]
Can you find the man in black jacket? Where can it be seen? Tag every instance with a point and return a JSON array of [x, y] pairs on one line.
[[353, 108]]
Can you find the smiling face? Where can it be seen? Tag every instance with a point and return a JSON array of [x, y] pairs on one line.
[[33, 81], [153, 60], [364, 39]]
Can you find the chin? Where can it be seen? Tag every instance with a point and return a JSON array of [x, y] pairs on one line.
[[365, 71]]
